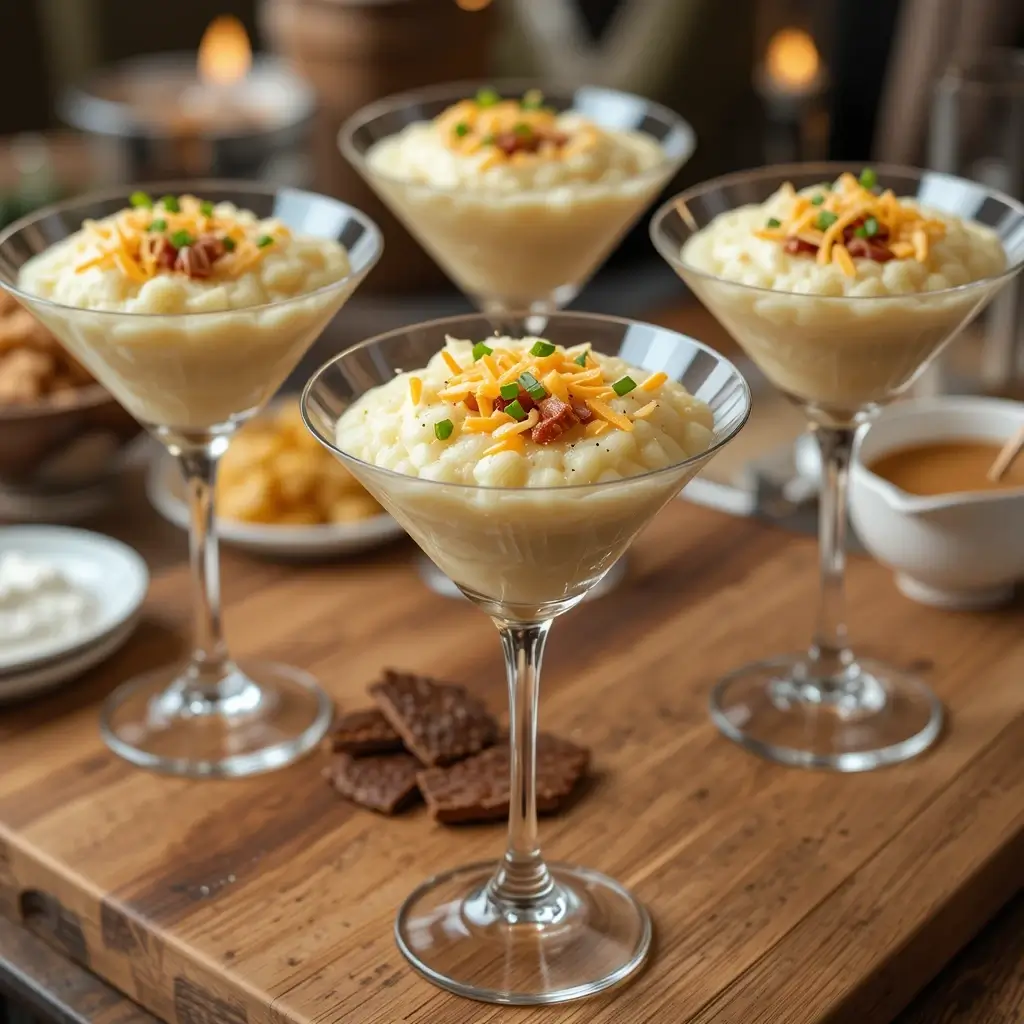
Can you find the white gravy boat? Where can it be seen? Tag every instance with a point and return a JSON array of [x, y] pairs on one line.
[[962, 551]]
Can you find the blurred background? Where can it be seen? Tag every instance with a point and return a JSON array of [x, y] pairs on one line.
[[104, 91]]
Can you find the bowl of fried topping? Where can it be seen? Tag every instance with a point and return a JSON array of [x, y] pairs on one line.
[[280, 493], [61, 433]]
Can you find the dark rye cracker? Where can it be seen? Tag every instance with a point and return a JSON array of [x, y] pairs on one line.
[[438, 722], [364, 732], [381, 782], [477, 789]]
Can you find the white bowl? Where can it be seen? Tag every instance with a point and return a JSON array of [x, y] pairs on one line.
[[165, 490], [111, 573], [962, 551]]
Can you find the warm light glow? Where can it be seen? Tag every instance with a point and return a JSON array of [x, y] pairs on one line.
[[225, 55], [472, 5], [792, 60]]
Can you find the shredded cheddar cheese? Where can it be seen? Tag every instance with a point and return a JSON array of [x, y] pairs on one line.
[[415, 390], [558, 374], [850, 221], [515, 132], [131, 241]]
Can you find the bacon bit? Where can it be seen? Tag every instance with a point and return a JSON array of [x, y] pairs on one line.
[[514, 142], [197, 260], [796, 246], [869, 249], [557, 417], [522, 398], [471, 403], [583, 413]]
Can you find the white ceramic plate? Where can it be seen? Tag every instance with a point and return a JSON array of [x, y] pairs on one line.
[[165, 490], [18, 685], [114, 574]]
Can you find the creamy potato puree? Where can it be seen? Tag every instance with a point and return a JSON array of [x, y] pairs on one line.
[[167, 364], [514, 527], [808, 326], [517, 227]]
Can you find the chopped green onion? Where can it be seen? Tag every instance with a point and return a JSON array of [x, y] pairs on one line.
[[533, 99], [206, 208], [481, 349], [581, 359], [774, 222], [180, 239], [817, 200], [542, 348], [487, 98], [825, 220], [524, 131], [515, 410], [826, 185], [170, 204], [264, 240], [141, 200], [533, 387], [443, 430], [509, 391], [229, 243], [870, 227], [868, 178], [461, 129], [623, 386], [488, 140], [861, 232], [158, 225]]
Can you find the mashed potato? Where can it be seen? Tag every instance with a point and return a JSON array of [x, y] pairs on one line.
[[182, 340], [520, 223], [841, 333], [386, 428], [513, 527]]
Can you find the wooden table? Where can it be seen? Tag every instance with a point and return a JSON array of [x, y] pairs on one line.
[[772, 889]]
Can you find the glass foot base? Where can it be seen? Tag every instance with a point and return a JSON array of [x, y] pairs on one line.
[[868, 716], [441, 584], [265, 717], [590, 935]]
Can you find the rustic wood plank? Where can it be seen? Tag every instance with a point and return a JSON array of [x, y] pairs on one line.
[[39, 979], [268, 900]]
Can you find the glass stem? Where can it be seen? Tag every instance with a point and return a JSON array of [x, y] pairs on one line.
[[522, 880], [829, 650], [209, 654]]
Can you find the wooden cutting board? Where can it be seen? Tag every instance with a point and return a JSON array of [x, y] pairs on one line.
[[778, 895]]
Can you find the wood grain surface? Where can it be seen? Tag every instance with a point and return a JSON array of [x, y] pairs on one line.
[[778, 895]]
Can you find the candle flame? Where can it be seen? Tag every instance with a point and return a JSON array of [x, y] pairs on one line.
[[792, 59], [473, 5], [225, 54]]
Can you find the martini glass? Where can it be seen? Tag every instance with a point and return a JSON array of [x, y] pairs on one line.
[[192, 380], [523, 931], [840, 359], [519, 257]]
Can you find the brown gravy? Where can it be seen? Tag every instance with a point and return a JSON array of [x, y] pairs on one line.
[[946, 467]]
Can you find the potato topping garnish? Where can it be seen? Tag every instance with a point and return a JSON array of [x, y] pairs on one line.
[[509, 130], [852, 218], [541, 394], [276, 472], [177, 235]]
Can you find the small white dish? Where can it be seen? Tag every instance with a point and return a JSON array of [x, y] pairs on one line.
[[28, 682], [165, 490], [956, 551], [113, 574]]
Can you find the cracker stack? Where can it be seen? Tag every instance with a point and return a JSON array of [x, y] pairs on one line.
[[435, 740]]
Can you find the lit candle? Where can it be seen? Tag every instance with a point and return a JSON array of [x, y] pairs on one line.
[[792, 82], [218, 112]]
